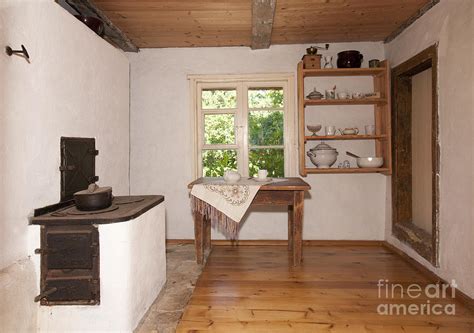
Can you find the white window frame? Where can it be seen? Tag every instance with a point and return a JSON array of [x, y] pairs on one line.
[[241, 83]]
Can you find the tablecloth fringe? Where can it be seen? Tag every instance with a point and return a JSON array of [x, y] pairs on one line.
[[219, 220]]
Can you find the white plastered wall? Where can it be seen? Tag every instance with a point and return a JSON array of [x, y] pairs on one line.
[[339, 206], [449, 23], [76, 84]]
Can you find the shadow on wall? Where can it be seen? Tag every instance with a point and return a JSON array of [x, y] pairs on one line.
[[17, 289]]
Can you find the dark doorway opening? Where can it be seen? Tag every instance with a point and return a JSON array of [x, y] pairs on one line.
[[415, 180]]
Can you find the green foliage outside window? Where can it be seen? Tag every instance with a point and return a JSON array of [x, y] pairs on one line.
[[219, 129], [272, 160], [265, 128], [215, 162], [219, 99], [266, 98]]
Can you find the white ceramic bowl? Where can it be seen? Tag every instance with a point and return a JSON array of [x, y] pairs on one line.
[[342, 95], [323, 159], [370, 162], [313, 128]]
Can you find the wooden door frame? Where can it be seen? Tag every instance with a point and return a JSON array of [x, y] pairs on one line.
[[402, 225]]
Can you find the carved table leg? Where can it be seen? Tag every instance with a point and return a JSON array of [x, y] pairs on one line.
[[298, 205], [290, 228], [198, 237]]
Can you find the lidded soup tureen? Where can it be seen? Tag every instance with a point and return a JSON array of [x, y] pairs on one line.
[[323, 155], [314, 95]]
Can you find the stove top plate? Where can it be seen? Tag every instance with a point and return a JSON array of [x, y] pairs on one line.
[[124, 208], [75, 211]]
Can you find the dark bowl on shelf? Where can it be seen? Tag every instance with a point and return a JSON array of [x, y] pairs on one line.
[[93, 23], [349, 59]]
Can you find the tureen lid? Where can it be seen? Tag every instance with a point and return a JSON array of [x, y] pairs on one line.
[[322, 146], [314, 94]]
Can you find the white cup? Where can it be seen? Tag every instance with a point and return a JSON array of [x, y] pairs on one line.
[[330, 94], [262, 174], [330, 130], [342, 95], [369, 129]]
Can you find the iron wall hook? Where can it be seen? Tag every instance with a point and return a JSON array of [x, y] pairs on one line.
[[23, 51]]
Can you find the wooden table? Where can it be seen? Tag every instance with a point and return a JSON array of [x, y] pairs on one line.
[[288, 193]]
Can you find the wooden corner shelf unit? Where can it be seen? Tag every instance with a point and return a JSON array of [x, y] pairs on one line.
[[382, 117]]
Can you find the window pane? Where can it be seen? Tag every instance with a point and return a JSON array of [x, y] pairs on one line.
[[215, 162], [265, 128], [265, 98], [272, 160], [219, 129], [219, 99]]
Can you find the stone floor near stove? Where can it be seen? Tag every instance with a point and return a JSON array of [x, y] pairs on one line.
[[182, 273]]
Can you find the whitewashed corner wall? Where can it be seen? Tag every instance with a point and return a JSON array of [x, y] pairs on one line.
[[449, 23], [340, 206], [76, 85]]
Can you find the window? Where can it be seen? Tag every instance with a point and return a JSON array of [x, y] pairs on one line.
[[243, 124]]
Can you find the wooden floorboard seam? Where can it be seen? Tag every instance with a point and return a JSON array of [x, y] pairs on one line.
[[255, 289]]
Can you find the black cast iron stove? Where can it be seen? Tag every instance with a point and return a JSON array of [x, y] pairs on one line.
[[70, 249]]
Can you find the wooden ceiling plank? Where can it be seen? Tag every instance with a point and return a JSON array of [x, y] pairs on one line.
[[263, 12], [304, 24], [193, 42], [177, 23], [183, 14], [131, 5]]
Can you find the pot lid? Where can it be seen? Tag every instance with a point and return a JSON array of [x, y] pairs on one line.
[[323, 146], [93, 188], [314, 94], [349, 52]]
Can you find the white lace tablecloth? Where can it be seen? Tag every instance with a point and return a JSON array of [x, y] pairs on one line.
[[223, 203]]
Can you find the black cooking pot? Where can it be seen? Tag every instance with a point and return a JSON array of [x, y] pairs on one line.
[[95, 24], [94, 198], [349, 59]]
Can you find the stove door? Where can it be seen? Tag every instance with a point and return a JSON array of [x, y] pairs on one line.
[[69, 265], [77, 165], [70, 249], [77, 290]]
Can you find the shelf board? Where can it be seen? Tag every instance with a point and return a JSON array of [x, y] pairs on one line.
[[344, 72], [359, 101], [346, 170], [344, 137]]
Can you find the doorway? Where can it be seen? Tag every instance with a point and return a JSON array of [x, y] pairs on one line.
[[415, 180]]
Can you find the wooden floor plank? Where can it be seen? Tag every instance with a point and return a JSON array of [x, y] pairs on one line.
[[256, 289]]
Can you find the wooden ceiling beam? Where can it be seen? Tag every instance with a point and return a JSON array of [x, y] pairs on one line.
[[263, 12], [112, 33]]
